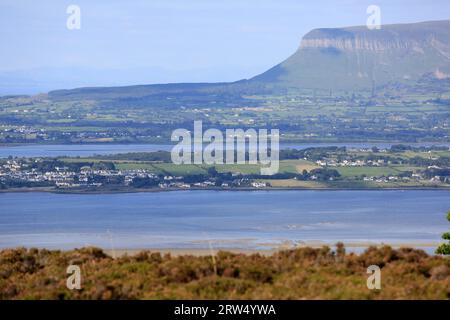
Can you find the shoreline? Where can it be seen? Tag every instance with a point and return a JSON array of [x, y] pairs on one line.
[[284, 145], [355, 247], [155, 190], [166, 142], [349, 246]]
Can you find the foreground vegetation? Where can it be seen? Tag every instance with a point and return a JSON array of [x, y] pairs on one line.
[[303, 273], [445, 247]]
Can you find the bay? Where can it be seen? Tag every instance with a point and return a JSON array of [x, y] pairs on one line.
[[87, 150], [223, 219]]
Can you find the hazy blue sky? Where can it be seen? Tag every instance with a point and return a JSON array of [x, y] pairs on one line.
[[124, 42]]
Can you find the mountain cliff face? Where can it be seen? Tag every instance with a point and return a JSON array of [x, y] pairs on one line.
[[359, 59]]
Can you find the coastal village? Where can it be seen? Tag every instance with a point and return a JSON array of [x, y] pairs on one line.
[[45, 172], [62, 177]]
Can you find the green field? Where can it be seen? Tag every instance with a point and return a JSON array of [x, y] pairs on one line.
[[290, 166], [373, 171]]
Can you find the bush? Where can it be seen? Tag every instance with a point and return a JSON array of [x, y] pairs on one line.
[[445, 247]]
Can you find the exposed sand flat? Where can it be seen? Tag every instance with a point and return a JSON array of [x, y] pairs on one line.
[[266, 252]]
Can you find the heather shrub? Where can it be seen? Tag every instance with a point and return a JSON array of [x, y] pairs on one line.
[[303, 273]]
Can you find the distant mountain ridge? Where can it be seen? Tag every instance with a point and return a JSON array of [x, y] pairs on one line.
[[359, 59], [337, 61]]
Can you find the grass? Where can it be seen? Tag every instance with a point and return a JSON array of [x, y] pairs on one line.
[[239, 168], [369, 171], [185, 169], [136, 166], [292, 183], [297, 166]]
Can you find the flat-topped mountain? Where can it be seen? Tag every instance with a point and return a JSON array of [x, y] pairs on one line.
[[334, 61], [356, 58]]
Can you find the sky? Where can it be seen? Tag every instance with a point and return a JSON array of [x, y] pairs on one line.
[[160, 41]]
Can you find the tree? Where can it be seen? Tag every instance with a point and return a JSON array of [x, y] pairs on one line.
[[445, 247], [212, 171]]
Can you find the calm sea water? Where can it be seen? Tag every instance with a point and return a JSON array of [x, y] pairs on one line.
[[85, 150], [75, 150], [198, 219]]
